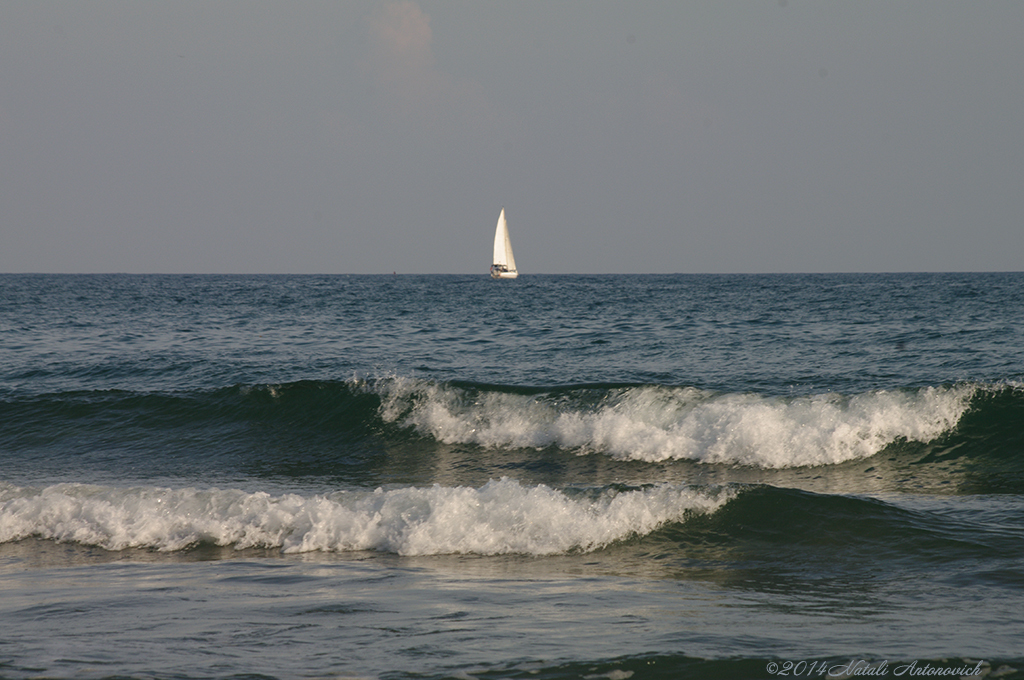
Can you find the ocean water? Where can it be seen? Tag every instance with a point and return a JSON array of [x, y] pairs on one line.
[[599, 477]]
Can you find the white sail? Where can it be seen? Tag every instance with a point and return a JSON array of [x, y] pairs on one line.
[[504, 263]]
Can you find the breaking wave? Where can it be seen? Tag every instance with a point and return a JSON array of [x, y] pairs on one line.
[[657, 423], [649, 423], [501, 517]]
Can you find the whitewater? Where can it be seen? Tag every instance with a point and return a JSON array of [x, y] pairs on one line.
[[654, 423]]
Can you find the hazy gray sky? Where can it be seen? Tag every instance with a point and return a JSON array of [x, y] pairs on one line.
[[371, 137]]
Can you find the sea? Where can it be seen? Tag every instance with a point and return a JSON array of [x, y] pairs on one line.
[[605, 477]]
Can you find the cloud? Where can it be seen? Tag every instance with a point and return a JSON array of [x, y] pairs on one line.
[[403, 29], [402, 61], [416, 92]]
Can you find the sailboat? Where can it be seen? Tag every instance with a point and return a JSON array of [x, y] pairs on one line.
[[504, 266]]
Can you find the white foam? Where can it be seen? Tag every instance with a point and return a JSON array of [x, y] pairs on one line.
[[499, 518], [658, 423]]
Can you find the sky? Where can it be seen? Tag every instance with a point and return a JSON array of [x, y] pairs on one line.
[[621, 137]]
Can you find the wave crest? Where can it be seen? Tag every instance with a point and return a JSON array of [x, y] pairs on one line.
[[501, 517], [655, 423]]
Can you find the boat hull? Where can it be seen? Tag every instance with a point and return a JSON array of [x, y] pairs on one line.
[[504, 275]]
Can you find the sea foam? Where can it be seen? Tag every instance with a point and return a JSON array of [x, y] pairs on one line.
[[500, 517], [655, 423]]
